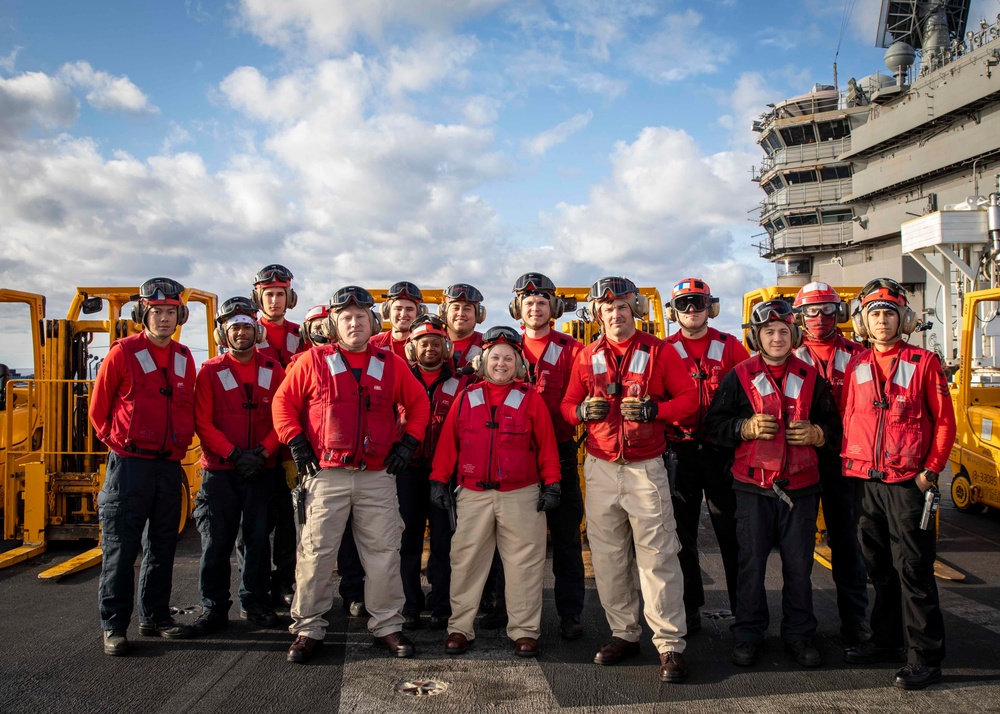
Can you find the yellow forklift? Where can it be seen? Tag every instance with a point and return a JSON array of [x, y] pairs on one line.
[[52, 462]]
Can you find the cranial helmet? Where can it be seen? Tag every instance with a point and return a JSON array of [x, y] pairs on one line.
[[615, 288], [236, 307], [159, 291], [274, 276], [497, 336], [771, 311], [463, 292], [692, 294], [424, 326], [403, 291], [536, 284], [878, 294], [351, 295]]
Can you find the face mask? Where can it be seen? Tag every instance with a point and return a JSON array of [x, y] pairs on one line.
[[821, 327]]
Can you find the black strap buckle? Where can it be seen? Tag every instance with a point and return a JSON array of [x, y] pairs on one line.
[[884, 404], [614, 388], [488, 485], [876, 475], [167, 391]]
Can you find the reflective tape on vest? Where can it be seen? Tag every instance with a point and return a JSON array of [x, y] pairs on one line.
[[227, 379], [639, 361], [145, 361], [476, 398], [450, 386], [514, 399], [793, 386], [375, 369], [680, 349], [552, 353], [336, 364], [863, 373], [598, 363], [715, 350], [473, 351], [263, 344], [803, 354], [840, 360], [264, 378], [180, 364], [291, 343], [904, 373], [762, 385]]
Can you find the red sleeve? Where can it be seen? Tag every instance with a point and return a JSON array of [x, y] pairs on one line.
[[577, 390], [446, 451], [546, 451], [290, 399], [671, 378], [408, 392], [204, 412], [942, 413], [271, 442], [112, 375]]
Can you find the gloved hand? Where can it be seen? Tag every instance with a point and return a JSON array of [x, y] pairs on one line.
[[759, 426], [549, 496], [250, 462], [400, 454], [635, 409], [291, 474], [441, 495], [305, 457], [804, 433], [593, 409]]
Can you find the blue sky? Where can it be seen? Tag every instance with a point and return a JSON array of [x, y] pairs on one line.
[[365, 143]]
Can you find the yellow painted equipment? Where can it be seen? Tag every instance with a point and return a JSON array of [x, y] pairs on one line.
[[52, 462]]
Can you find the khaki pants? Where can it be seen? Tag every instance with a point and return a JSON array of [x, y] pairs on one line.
[[510, 522], [630, 504], [331, 496]]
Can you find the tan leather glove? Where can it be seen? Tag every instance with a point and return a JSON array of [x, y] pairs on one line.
[[593, 409], [759, 426], [291, 473], [804, 433]]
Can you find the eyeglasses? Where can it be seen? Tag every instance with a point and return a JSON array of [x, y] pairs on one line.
[[684, 303], [273, 274], [534, 283], [405, 291], [351, 295], [463, 291], [156, 289], [771, 310], [502, 334], [612, 288], [826, 308]]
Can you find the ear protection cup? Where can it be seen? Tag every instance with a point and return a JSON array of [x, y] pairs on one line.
[[842, 312], [386, 307], [291, 298], [478, 364], [331, 324], [640, 308], [713, 309], [557, 306], [671, 314], [750, 335], [514, 308], [411, 350], [222, 339], [642, 305], [139, 314], [442, 312], [376, 322], [908, 321]]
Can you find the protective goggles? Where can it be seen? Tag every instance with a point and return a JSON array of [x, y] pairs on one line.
[[613, 289], [691, 302], [160, 290], [404, 291], [462, 291], [770, 311], [273, 274], [235, 306], [824, 308], [534, 283], [351, 295], [505, 334]]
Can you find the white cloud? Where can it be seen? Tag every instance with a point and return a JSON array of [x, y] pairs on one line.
[[176, 135], [430, 61], [7, 62], [540, 143], [34, 98], [678, 49], [106, 92]]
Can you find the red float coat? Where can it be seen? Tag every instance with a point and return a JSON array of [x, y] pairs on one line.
[[832, 370], [141, 409], [724, 352], [281, 342], [895, 429], [350, 422], [497, 434], [550, 375], [384, 341], [230, 413], [442, 393], [762, 462], [648, 368], [469, 348]]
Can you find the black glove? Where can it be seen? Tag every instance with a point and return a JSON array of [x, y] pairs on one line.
[[639, 409], [305, 457], [441, 495], [593, 409], [400, 454], [549, 497], [250, 462]]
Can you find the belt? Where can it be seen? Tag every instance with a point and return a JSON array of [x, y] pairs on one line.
[[133, 449], [621, 460]]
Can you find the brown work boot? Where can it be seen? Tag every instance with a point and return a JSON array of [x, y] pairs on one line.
[[303, 649], [397, 643], [526, 647], [456, 644], [672, 667], [615, 650]]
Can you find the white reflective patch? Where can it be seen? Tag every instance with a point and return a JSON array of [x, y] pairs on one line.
[[375, 367], [180, 364], [552, 353], [476, 398], [262, 345], [264, 378], [863, 373], [840, 360], [145, 361], [227, 379], [986, 431], [450, 387], [762, 385], [472, 352], [715, 350], [679, 346], [514, 399], [598, 363], [292, 343], [336, 364], [803, 354], [639, 361], [793, 386], [904, 373]]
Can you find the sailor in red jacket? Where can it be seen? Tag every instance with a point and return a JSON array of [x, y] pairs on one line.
[[819, 309], [233, 398], [142, 408], [628, 387], [402, 305], [776, 411], [899, 427], [499, 443], [702, 465], [336, 410], [462, 310]]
